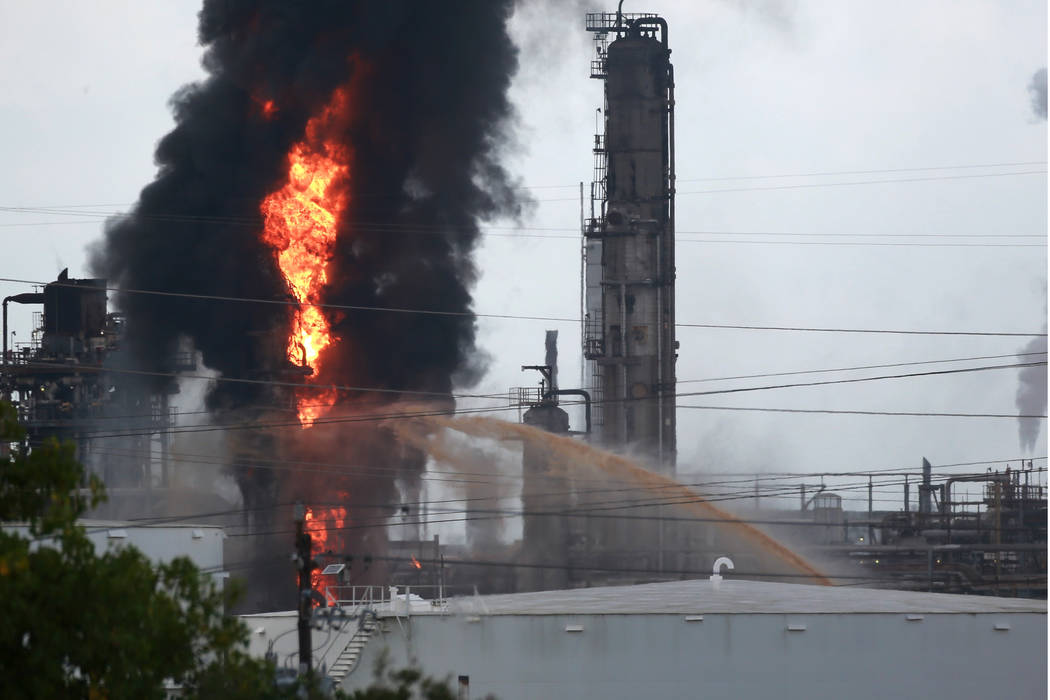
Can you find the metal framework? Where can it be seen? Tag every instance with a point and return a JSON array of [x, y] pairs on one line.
[[62, 385]]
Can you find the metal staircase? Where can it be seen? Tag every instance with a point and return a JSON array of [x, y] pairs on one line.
[[346, 662]]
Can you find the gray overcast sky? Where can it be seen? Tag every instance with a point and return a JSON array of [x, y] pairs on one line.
[[763, 89]]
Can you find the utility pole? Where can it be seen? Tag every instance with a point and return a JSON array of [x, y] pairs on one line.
[[302, 549]]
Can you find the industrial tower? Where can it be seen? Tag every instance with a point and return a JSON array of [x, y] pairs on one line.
[[629, 332]]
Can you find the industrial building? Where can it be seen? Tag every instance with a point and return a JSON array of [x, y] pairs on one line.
[[701, 638], [68, 381], [160, 542]]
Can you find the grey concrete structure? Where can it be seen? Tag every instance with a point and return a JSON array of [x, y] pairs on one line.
[[737, 639], [202, 544], [629, 333]]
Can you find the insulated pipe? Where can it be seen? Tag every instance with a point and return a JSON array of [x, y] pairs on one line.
[[659, 21], [576, 392], [27, 298]]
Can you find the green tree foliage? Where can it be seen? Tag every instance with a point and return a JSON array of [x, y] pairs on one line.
[[77, 623]]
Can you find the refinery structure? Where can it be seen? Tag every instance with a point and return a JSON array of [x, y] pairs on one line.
[[623, 581], [629, 322]]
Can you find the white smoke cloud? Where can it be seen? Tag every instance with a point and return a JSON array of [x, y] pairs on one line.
[[1031, 391], [1037, 89]]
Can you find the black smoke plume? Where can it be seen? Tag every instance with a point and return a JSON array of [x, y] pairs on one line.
[[429, 118], [426, 133]]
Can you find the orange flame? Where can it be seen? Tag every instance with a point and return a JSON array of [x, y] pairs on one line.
[[268, 108], [415, 563], [323, 525], [300, 224]]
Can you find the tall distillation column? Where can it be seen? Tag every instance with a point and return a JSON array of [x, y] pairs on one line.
[[629, 332]]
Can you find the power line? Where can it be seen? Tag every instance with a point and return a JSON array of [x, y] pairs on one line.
[[358, 469], [488, 232], [559, 319], [496, 396], [504, 396], [265, 382], [924, 414], [854, 330], [867, 172], [595, 511], [859, 367], [825, 173], [870, 244], [803, 234], [365, 470], [836, 184], [358, 418], [865, 182], [908, 375], [748, 494]]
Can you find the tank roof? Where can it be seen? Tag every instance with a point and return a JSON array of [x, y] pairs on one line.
[[730, 597]]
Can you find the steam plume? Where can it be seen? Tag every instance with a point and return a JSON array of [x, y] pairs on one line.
[[1037, 90], [1031, 395]]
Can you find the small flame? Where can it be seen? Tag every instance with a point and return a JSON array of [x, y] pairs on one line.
[[300, 224], [415, 563], [267, 107]]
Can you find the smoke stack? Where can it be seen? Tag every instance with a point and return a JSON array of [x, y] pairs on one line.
[[925, 505], [551, 358]]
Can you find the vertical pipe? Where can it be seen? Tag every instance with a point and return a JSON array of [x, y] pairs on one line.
[[583, 288], [623, 361], [929, 568], [871, 527], [659, 357], [668, 277], [3, 359], [660, 544], [946, 512], [998, 485], [441, 568]]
